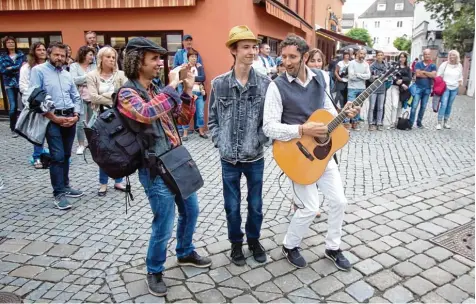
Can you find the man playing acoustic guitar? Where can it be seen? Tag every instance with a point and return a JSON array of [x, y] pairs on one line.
[[290, 100]]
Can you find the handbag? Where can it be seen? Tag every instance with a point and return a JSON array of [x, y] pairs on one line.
[[179, 171], [403, 122]]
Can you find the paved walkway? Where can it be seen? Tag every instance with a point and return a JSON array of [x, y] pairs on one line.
[[404, 187]]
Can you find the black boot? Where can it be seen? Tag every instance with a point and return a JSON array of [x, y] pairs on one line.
[[237, 256]]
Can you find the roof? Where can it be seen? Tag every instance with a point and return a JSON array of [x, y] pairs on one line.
[[390, 11], [348, 16]]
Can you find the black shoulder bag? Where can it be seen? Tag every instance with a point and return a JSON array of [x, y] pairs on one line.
[[178, 170]]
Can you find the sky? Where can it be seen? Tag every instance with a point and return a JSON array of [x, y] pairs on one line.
[[356, 6]]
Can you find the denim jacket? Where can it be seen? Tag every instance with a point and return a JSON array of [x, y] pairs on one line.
[[236, 116], [11, 77]]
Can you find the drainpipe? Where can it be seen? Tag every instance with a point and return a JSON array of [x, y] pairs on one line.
[[472, 68]]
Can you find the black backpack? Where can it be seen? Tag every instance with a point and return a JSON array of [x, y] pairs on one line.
[[115, 147]]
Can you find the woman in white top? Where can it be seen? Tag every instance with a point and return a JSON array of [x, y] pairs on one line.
[[36, 55], [83, 65], [340, 74], [102, 82], [316, 60], [452, 73]]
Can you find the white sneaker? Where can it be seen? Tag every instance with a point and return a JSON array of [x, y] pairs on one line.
[[447, 126], [80, 150], [438, 126]]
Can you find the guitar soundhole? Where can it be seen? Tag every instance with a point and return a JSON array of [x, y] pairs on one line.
[[321, 152]]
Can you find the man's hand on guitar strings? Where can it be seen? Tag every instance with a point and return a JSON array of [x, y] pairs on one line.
[[351, 111], [316, 129]]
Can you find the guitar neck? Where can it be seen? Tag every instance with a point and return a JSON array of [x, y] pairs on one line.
[[356, 103]]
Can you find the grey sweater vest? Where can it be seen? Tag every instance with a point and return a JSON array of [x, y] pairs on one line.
[[299, 102]]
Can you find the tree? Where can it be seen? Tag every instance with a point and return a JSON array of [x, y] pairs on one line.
[[360, 34], [403, 44], [458, 25]]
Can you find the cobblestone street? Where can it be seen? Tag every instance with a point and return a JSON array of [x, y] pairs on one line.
[[404, 188]]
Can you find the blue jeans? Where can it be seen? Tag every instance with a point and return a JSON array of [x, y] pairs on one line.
[[446, 103], [199, 116], [351, 96], [231, 175], [162, 202], [60, 141], [421, 95], [377, 100], [103, 178], [12, 97], [37, 150]]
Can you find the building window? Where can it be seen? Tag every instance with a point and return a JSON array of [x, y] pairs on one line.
[[399, 23], [24, 41], [381, 6], [388, 40], [399, 6], [273, 45], [377, 24], [172, 41], [285, 2]]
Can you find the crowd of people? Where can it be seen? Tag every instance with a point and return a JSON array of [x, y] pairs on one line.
[[259, 99]]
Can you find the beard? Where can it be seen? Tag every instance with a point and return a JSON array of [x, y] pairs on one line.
[[57, 63]]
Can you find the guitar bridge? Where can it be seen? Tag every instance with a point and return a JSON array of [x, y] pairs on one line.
[[304, 151]]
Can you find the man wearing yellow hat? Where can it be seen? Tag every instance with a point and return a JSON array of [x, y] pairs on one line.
[[235, 122]]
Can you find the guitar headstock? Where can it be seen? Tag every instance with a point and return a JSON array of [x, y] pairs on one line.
[[392, 69]]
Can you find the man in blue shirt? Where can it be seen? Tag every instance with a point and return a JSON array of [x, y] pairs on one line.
[[60, 133], [181, 54], [425, 72]]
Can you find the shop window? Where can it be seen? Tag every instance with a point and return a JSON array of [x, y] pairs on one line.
[[174, 42], [23, 43], [171, 40], [118, 42], [56, 38], [37, 39]]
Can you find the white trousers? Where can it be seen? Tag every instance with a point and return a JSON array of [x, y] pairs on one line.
[[393, 106], [306, 197]]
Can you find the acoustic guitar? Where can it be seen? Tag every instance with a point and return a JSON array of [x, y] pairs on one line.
[[305, 159]]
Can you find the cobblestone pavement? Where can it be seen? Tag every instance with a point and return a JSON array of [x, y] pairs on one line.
[[404, 188]]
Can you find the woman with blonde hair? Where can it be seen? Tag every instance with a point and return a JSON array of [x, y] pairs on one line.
[[102, 83], [452, 73], [78, 70]]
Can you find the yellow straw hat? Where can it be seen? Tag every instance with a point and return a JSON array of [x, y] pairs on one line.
[[239, 33]]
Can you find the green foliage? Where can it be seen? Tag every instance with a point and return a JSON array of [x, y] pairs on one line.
[[403, 44], [360, 34], [458, 26]]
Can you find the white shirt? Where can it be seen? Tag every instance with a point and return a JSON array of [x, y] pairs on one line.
[[259, 66], [273, 109], [342, 65], [24, 78], [452, 74]]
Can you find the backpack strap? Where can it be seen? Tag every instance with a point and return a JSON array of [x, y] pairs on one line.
[[320, 79]]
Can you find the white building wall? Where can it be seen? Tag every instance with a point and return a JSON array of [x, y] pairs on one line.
[[385, 30]]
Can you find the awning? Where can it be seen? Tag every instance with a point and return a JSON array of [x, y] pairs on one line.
[[28, 5], [338, 37], [284, 13]]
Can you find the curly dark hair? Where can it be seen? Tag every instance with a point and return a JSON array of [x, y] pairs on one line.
[[299, 42], [32, 60], [133, 61], [83, 52]]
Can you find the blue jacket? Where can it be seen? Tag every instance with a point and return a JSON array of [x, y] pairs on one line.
[[11, 77], [181, 58], [236, 116]]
